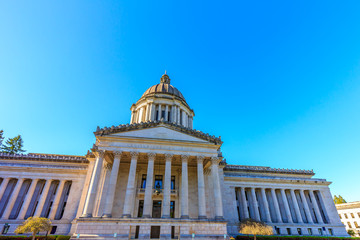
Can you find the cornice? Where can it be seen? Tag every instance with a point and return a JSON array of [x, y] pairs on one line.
[[243, 168], [151, 124], [47, 166], [44, 157]]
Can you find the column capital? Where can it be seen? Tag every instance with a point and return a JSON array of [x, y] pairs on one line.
[[99, 153], [117, 153], [184, 158], [134, 154], [214, 160], [200, 159], [168, 157], [151, 155]]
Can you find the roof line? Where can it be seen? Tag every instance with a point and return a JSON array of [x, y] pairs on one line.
[[150, 124]]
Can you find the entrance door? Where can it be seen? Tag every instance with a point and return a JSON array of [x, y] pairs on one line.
[[156, 213]]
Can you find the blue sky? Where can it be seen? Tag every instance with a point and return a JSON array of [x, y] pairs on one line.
[[279, 81]]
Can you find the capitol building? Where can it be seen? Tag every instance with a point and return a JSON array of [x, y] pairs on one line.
[[158, 178]]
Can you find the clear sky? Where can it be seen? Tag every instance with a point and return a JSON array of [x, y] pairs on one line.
[[279, 81]]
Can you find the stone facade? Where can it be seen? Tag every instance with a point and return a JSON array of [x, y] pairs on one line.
[[159, 178], [349, 214]]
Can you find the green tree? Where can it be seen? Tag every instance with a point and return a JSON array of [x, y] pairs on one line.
[[34, 225], [351, 232], [1, 137], [13, 145], [339, 199], [252, 227]]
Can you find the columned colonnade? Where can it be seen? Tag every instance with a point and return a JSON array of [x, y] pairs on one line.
[[154, 112], [21, 198], [281, 205], [131, 188]]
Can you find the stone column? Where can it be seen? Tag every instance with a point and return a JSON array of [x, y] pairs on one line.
[[167, 186], [150, 110], [42, 198], [255, 204], [217, 190], [153, 111], [149, 186], [286, 205], [266, 205], [147, 112], [27, 199], [316, 207], [3, 186], [244, 203], [91, 195], [276, 205], [57, 198], [296, 205], [159, 110], [132, 117], [306, 207], [184, 187], [166, 112], [109, 201], [130, 189], [178, 115], [201, 187], [12, 199]]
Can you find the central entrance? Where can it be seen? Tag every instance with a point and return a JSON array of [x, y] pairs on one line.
[[156, 212]]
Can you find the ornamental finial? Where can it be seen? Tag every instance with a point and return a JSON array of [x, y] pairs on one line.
[[165, 78]]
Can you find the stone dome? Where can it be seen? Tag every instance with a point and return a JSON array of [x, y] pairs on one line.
[[164, 87]]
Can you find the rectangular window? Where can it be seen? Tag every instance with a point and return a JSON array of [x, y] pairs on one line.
[[340, 216], [358, 214], [157, 115], [277, 230], [163, 115], [352, 215], [53, 229], [299, 231], [320, 231], [172, 182], [356, 224], [331, 231], [345, 215], [141, 208], [158, 182], [309, 231], [172, 209], [143, 181], [349, 224], [169, 117], [238, 211], [288, 230]]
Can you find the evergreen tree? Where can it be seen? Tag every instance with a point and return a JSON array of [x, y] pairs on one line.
[[1, 137], [339, 199], [13, 145]]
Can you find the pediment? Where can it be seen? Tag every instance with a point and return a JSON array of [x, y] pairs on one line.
[[160, 132]]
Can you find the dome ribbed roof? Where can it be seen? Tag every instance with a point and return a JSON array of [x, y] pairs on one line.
[[164, 87]]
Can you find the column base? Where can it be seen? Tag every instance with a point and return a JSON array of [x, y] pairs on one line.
[[106, 215], [202, 217], [146, 216], [86, 215], [184, 217], [219, 218], [165, 216], [126, 216]]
